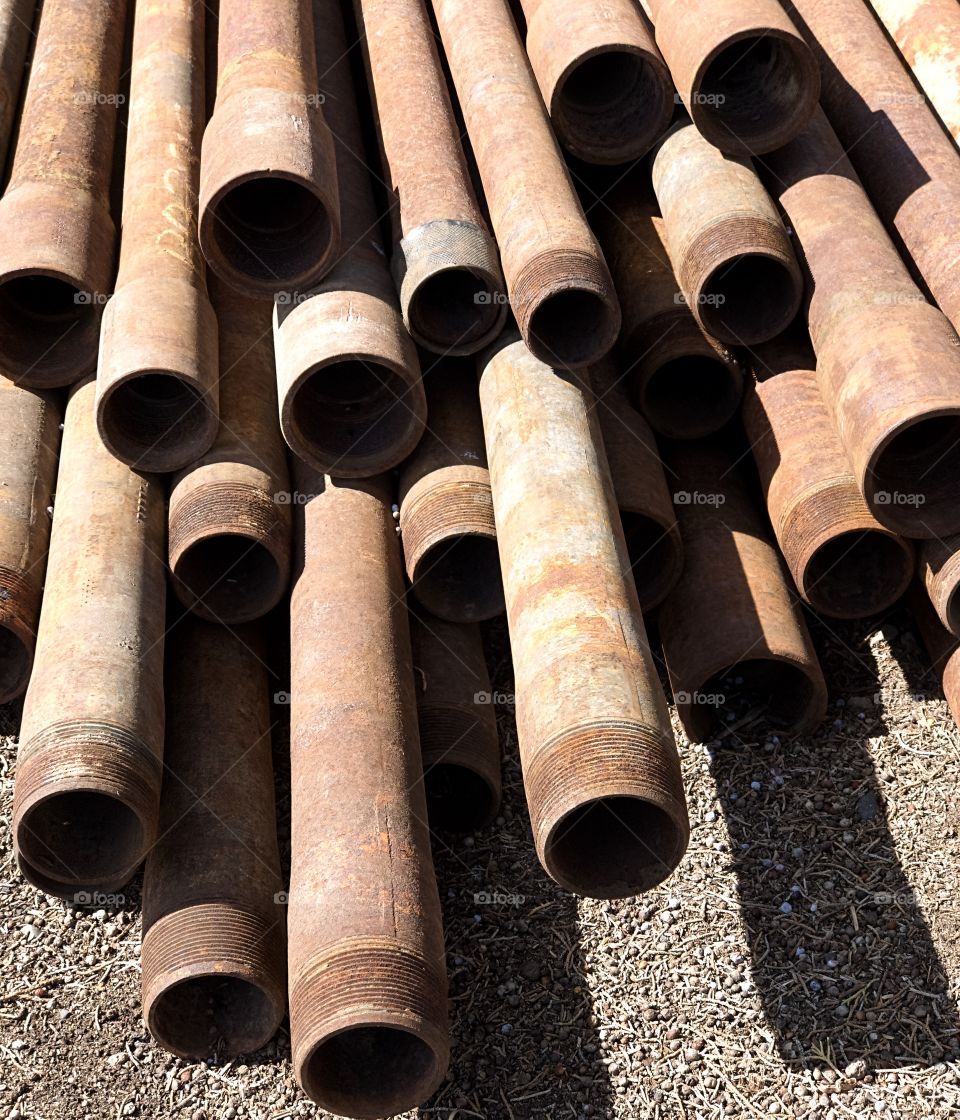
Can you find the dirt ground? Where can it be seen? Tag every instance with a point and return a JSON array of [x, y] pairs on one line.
[[803, 961]]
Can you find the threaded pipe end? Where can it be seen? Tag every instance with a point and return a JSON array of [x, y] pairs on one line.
[[20, 596], [461, 766]]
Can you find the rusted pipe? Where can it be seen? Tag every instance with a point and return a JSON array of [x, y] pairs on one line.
[[843, 561], [445, 263], [229, 519], [909, 167], [686, 383], [607, 90], [87, 790], [56, 232], [600, 766], [30, 423], [16, 27], [214, 966], [943, 647], [368, 989], [888, 363], [646, 510], [732, 632], [560, 291], [446, 510], [269, 215], [940, 572], [928, 35], [745, 75], [730, 251], [157, 376], [351, 395], [458, 724]]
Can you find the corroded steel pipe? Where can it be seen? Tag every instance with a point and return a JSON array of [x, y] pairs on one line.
[[351, 395], [686, 383], [157, 378], [909, 167], [560, 290], [940, 571], [600, 766], [607, 90], [269, 215], [56, 232], [732, 632], [30, 423], [16, 27], [368, 989], [646, 510], [87, 790], [214, 966], [446, 509], [844, 562], [928, 35], [458, 724], [730, 251], [942, 647], [229, 519], [888, 363], [445, 263], [745, 75]]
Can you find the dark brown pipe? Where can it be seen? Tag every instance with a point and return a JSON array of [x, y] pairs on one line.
[[351, 395], [686, 383], [843, 561], [888, 363], [560, 290], [446, 510], [745, 75], [458, 724], [908, 165], [30, 423], [732, 632], [600, 767], [87, 790], [230, 522], [213, 921], [56, 232], [942, 647], [445, 263], [368, 989], [940, 571], [157, 378], [16, 28], [269, 216], [643, 498], [607, 90]]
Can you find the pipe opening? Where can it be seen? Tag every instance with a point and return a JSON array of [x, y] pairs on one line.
[[613, 847], [653, 556], [15, 664], [914, 483], [45, 322], [194, 1016], [81, 837], [570, 328], [857, 573], [780, 690], [370, 1071], [454, 308], [228, 577], [153, 415], [688, 397], [749, 299], [458, 799], [459, 579]]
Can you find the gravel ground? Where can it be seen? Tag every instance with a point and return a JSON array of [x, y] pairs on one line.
[[804, 961]]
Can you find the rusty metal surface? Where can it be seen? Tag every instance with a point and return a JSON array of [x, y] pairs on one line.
[[942, 646], [888, 363], [368, 990], [732, 629], [446, 510], [445, 263], [30, 423], [745, 75], [56, 232], [214, 919], [686, 383], [939, 570], [157, 376], [269, 213], [908, 165], [230, 518], [458, 724], [843, 561], [16, 28], [87, 788], [560, 290], [351, 394], [607, 89], [600, 766]]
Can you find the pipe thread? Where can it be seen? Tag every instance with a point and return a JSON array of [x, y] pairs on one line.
[[238, 508], [19, 599], [733, 236], [452, 736], [555, 271], [443, 510]]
